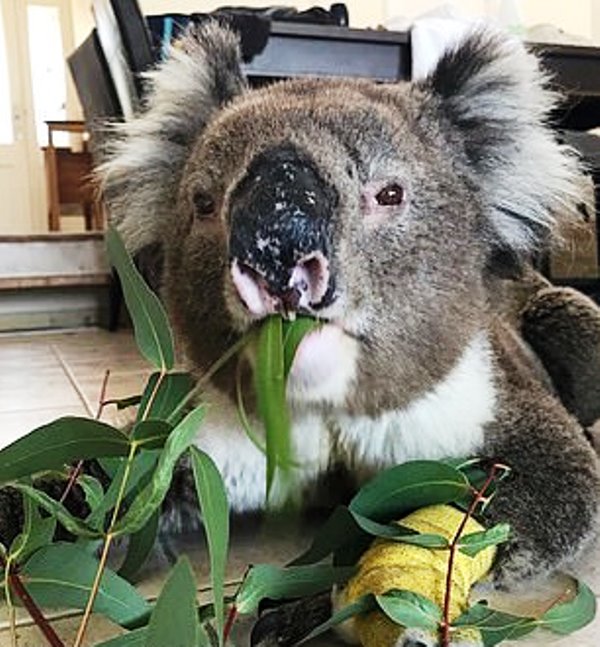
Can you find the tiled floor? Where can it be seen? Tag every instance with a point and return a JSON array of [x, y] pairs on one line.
[[44, 376]]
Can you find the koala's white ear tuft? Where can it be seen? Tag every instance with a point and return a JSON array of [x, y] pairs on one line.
[[492, 100], [142, 169]]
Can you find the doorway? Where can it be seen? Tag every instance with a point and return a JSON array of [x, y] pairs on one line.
[[35, 37]]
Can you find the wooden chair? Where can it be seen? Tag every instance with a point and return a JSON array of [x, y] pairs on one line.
[[68, 177]]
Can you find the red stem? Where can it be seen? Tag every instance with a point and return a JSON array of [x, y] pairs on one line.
[[34, 611], [479, 495], [76, 471], [231, 618]]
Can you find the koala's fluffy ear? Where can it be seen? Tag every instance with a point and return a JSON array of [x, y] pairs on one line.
[[493, 103], [141, 174]]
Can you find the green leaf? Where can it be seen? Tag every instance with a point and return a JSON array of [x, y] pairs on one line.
[[142, 466], [135, 638], [61, 575], [364, 604], [92, 488], [266, 581], [139, 547], [567, 617], [339, 530], [293, 333], [399, 533], [152, 332], [36, 532], [495, 626], [399, 490], [125, 403], [165, 402], [151, 497], [174, 620], [243, 416], [215, 515], [150, 434], [63, 441], [58, 511], [411, 610], [475, 542], [270, 395]]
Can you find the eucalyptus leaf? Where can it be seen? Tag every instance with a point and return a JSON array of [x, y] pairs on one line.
[[58, 511], [339, 530], [270, 396], [126, 403], [150, 434], [60, 442], [174, 620], [567, 617], [215, 515], [92, 489], [495, 626], [293, 333], [152, 332], [266, 581], [61, 575], [151, 497], [475, 542], [364, 604], [36, 532], [139, 547], [164, 402], [397, 532], [142, 466], [401, 489], [135, 638], [411, 610]]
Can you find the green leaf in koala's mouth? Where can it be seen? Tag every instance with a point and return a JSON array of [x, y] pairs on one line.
[[278, 342]]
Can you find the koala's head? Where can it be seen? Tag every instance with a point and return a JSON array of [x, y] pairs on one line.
[[379, 209]]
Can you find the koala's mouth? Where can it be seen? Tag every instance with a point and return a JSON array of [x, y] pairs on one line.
[[307, 289]]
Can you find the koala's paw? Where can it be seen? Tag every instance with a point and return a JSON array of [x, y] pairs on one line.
[[287, 624]]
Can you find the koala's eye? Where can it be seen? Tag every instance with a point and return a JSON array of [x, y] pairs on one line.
[[390, 196], [204, 204]]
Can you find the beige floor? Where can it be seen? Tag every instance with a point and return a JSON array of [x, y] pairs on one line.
[[44, 376]]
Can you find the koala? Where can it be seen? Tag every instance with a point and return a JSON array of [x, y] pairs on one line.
[[402, 216]]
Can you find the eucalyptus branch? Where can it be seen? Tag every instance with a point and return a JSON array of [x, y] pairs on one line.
[[13, 582], [16, 584], [115, 515], [76, 471], [477, 499], [231, 618]]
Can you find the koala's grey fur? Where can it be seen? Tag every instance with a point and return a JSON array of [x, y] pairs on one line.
[[434, 363]]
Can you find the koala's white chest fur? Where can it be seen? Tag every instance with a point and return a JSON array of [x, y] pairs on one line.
[[447, 421]]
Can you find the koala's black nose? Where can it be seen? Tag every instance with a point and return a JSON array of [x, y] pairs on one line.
[[280, 237]]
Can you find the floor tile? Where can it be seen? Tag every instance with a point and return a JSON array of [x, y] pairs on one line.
[[36, 389]]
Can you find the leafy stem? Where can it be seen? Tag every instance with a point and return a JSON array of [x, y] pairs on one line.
[[76, 471], [454, 546], [115, 515]]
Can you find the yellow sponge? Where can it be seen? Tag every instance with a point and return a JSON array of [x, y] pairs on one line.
[[392, 565]]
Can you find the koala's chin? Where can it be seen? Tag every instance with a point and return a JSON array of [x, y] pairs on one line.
[[324, 367]]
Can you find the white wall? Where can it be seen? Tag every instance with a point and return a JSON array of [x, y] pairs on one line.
[[581, 17], [573, 16]]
